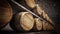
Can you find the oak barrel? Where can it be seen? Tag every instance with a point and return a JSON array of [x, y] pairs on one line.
[[38, 24], [47, 26], [5, 13], [39, 11], [30, 3], [22, 21]]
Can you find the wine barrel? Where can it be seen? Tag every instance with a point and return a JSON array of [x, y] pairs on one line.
[[38, 24], [23, 21], [38, 10], [30, 3], [47, 26], [44, 26], [5, 13], [47, 18]]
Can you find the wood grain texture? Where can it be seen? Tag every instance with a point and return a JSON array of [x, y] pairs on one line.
[[39, 11], [23, 21], [30, 3], [47, 26], [38, 24], [45, 15], [5, 13]]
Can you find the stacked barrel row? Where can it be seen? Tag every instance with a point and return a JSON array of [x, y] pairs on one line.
[[24, 21]]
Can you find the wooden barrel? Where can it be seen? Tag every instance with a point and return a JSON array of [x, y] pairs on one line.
[[30, 3], [44, 26], [47, 17], [47, 26], [5, 13], [38, 24], [22, 21], [39, 11]]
